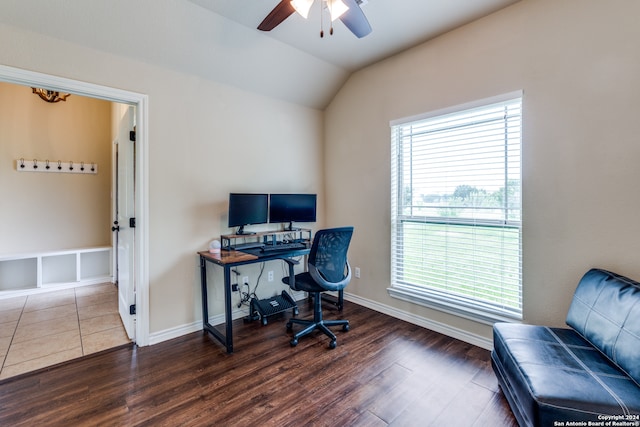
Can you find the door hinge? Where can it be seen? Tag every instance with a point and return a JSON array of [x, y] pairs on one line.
[[132, 309], [132, 222], [132, 135]]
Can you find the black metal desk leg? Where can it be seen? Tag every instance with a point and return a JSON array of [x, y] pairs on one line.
[[227, 339], [228, 315], [203, 284]]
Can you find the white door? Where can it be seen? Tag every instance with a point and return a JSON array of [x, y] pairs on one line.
[[124, 214]]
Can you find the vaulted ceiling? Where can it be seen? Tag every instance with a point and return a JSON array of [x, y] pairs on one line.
[[218, 39], [397, 25]]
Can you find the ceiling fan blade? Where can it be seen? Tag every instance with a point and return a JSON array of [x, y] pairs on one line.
[[355, 20], [282, 11]]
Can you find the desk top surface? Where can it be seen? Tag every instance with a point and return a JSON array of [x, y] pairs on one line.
[[226, 257]]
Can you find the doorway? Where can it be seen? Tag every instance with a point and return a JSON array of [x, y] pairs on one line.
[[139, 101]]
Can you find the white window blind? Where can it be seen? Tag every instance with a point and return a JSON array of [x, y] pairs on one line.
[[456, 210]]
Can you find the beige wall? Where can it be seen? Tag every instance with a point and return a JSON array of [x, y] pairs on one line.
[[46, 211], [205, 140], [225, 141], [578, 63], [576, 60]]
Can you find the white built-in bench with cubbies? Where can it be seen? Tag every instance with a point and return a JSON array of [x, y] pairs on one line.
[[28, 273]]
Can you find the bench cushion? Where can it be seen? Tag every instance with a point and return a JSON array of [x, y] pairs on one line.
[[553, 374], [605, 310]]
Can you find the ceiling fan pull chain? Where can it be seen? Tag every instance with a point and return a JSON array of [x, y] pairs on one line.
[[330, 8], [321, 21]]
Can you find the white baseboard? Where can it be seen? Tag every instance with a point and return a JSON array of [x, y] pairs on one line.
[[439, 327], [52, 287], [442, 328], [178, 331]]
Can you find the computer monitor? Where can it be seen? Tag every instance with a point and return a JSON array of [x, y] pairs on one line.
[[247, 209], [292, 208]]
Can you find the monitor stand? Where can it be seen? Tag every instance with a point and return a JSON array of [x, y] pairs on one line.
[[242, 232], [290, 227]]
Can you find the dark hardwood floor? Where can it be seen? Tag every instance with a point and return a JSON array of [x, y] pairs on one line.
[[384, 372]]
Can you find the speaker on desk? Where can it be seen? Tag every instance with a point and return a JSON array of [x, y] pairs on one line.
[[214, 247]]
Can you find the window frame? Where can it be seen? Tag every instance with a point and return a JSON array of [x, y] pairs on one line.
[[438, 299]]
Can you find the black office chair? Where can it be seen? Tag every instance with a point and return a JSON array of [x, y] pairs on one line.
[[329, 270]]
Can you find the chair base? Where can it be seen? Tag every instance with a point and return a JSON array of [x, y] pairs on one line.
[[318, 323]]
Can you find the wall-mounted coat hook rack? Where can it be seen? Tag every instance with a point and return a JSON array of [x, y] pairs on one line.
[[58, 166]]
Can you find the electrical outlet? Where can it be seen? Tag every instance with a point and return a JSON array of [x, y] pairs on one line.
[[245, 279], [234, 287], [270, 276], [357, 272]]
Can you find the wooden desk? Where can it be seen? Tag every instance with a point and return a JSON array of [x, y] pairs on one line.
[[227, 260]]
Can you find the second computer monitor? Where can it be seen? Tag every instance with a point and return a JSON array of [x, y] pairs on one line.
[[292, 208]]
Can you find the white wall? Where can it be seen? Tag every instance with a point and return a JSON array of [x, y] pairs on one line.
[[578, 63], [47, 211], [205, 140]]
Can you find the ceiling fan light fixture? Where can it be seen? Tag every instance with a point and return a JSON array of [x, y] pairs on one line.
[[348, 11], [336, 8], [302, 7]]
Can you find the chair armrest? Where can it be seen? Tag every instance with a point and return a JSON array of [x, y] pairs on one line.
[[292, 276]]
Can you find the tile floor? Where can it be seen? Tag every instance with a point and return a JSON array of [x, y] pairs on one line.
[[41, 330]]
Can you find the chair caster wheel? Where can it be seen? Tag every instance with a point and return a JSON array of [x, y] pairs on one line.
[[333, 344], [264, 321], [289, 326], [345, 328], [294, 342]]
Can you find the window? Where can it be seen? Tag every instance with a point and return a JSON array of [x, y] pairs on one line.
[[456, 210]]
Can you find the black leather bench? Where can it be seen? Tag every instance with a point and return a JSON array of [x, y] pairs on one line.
[[589, 372]]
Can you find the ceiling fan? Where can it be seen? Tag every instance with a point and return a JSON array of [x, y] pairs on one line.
[[348, 11]]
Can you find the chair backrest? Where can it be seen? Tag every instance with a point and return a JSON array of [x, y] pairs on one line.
[[328, 253]]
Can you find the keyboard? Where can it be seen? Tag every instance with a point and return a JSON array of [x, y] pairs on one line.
[[283, 247], [242, 246]]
